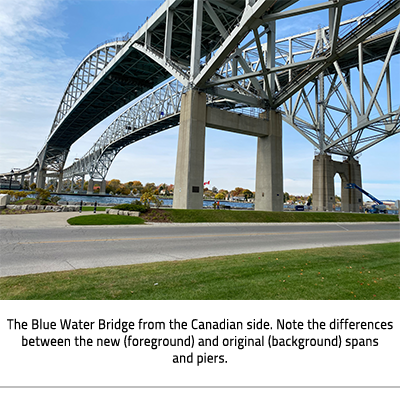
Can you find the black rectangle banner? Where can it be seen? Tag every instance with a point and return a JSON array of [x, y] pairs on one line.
[[200, 342]]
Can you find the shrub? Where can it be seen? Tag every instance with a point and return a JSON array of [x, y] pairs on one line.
[[43, 196]]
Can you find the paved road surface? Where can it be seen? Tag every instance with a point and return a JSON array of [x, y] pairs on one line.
[[45, 242]]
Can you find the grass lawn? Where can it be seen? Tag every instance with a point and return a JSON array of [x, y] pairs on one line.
[[105, 219], [91, 208], [196, 216], [177, 215], [352, 272]]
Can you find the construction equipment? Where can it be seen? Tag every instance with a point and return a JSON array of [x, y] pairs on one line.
[[379, 207]]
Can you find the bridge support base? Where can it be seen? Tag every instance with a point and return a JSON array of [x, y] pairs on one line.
[[351, 198], [41, 178], [90, 187], [189, 175], [103, 187], [32, 179], [60, 183], [324, 171], [269, 168]]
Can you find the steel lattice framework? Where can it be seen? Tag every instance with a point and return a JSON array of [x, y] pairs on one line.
[[157, 111], [229, 50], [321, 111]]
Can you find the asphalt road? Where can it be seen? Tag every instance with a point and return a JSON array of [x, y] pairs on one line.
[[47, 243]]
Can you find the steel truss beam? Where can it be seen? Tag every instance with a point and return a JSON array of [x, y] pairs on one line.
[[228, 49], [156, 112]]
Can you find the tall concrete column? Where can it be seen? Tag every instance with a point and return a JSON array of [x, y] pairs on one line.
[[82, 187], [189, 174], [22, 180], [60, 183], [41, 178], [324, 171], [32, 180], [103, 187], [269, 168], [323, 183], [351, 198], [90, 187]]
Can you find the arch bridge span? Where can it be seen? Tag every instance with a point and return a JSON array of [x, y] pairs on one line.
[[228, 50], [160, 110]]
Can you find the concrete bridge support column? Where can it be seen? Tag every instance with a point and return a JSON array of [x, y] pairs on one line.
[[269, 168], [351, 198], [189, 175], [103, 187], [324, 171], [32, 179], [90, 187], [41, 178], [323, 183], [82, 187], [60, 183], [22, 180]]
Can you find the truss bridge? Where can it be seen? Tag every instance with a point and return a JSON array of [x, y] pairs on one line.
[[220, 64]]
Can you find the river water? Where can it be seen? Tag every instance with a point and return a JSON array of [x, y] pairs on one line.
[[115, 200], [167, 202]]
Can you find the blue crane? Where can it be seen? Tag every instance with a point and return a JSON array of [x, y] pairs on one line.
[[379, 207]]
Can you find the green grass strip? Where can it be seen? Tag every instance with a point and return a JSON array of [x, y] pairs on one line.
[[91, 208], [105, 219], [351, 272], [183, 216]]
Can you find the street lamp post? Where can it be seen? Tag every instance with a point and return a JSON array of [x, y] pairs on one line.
[[9, 186]]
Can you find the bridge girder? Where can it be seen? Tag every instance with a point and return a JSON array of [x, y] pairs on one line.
[[319, 112], [225, 40]]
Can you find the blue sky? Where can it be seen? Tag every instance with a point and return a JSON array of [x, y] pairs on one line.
[[44, 40]]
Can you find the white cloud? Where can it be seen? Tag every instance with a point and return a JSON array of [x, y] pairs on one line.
[[33, 74]]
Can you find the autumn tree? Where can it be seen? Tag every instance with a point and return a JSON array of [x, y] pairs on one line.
[[237, 191], [149, 187], [149, 196], [134, 186], [113, 185], [248, 194]]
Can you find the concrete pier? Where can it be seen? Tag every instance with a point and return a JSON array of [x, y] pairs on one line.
[[90, 187], [102, 187], [189, 175], [41, 178], [324, 171], [269, 169]]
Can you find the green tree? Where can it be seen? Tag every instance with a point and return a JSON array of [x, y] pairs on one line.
[[248, 194], [286, 197], [220, 195]]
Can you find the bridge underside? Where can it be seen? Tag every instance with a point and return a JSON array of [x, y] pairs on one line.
[[136, 75]]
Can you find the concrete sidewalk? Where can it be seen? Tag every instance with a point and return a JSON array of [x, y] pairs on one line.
[[39, 220]]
